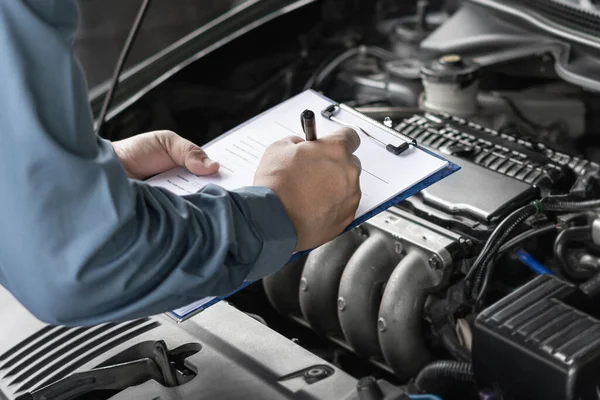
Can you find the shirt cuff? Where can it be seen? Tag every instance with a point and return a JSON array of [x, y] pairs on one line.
[[272, 222]]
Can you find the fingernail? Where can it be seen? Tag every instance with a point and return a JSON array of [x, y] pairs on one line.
[[209, 163]]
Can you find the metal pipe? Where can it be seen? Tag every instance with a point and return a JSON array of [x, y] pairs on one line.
[[360, 292], [281, 287], [320, 282], [561, 248], [401, 315]]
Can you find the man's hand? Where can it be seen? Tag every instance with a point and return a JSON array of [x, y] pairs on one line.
[[317, 182], [151, 153]]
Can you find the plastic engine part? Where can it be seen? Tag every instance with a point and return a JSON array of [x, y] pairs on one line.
[[540, 342]]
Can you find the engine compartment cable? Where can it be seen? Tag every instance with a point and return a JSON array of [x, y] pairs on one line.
[[478, 278], [133, 32], [532, 263], [440, 372], [452, 344], [537, 231], [492, 239], [495, 241], [553, 204]]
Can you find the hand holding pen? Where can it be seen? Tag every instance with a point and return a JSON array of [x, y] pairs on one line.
[[316, 180]]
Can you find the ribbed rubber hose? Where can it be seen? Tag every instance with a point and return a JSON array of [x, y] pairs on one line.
[[492, 239], [513, 221], [538, 231], [490, 258], [570, 206], [452, 345], [443, 371]]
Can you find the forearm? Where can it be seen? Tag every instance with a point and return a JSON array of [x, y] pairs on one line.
[[167, 253]]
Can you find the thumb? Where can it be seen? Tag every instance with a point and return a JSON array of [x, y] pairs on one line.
[[197, 162], [187, 154]]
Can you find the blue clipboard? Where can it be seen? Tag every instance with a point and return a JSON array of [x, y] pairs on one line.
[[189, 311]]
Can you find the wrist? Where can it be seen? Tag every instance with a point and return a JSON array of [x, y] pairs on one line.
[[270, 218], [284, 203]]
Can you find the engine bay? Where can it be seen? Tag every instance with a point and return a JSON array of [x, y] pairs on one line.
[[484, 285]]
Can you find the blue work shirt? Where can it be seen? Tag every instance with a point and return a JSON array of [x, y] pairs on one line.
[[80, 243]]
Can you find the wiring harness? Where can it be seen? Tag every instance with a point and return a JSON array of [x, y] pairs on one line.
[[477, 280]]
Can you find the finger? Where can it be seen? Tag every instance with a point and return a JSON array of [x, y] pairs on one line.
[[346, 137], [197, 162], [284, 142], [294, 139], [187, 154], [357, 162]]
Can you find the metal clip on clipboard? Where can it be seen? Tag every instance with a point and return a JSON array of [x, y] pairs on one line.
[[330, 111]]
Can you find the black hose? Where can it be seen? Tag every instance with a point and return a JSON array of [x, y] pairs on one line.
[[496, 241], [569, 206], [517, 219], [485, 285], [507, 246], [500, 229], [561, 247], [121, 64], [527, 235], [483, 274], [440, 372], [452, 345]]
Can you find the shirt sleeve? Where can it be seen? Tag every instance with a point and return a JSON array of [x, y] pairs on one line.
[[82, 244]]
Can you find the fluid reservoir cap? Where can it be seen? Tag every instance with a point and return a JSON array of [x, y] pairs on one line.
[[452, 60], [450, 68], [408, 68]]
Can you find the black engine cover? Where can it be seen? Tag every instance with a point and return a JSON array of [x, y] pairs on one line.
[[539, 343]]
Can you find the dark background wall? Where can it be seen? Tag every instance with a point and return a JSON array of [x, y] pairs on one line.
[[105, 24]]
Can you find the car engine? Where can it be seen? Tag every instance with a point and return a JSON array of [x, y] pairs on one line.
[[483, 286]]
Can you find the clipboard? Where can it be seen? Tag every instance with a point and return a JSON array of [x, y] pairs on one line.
[[286, 112]]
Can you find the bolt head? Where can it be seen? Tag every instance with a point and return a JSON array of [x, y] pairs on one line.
[[362, 232], [435, 262], [381, 324], [303, 284], [398, 247], [341, 303], [315, 373], [465, 242]]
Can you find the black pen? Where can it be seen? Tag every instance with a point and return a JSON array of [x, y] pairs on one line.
[[309, 124]]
